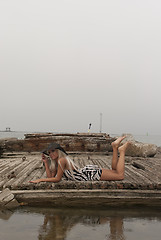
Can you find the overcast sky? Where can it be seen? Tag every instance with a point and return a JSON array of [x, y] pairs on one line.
[[62, 63]]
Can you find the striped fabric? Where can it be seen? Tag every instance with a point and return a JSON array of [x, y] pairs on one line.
[[87, 173]]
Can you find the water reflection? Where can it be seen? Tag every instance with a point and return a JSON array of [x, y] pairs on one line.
[[116, 229], [57, 225], [5, 214], [73, 224]]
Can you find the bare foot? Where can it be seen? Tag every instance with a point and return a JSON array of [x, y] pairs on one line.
[[117, 142], [124, 147]]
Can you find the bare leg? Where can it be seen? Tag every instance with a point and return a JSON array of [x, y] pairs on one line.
[[120, 169], [117, 174], [115, 146]]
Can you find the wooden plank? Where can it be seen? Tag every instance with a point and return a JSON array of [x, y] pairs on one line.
[[101, 164], [9, 166], [16, 169], [153, 168], [150, 175], [81, 162], [3, 165], [21, 174], [76, 160], [105, 164], [130, 181], [6, 172], [36, 174], [150, 172], [145, 176], [130, 178], [88, 160], [151, 183], [139, 179], [39, 168], [26, 173], [2, 182]]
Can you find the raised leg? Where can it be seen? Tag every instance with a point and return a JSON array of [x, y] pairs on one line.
[[117, 174], [115, 146], [120, 169]]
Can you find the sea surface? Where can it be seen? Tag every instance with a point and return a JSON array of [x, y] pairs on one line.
[[80, 224], [154, 139]]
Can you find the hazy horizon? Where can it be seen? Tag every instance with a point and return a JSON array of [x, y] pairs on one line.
[[62, 63]]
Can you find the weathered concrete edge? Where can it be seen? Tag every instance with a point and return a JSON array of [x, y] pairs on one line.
[[7, 199], [88, 198]]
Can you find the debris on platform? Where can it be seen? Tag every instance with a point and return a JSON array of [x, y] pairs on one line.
[[7, 199]]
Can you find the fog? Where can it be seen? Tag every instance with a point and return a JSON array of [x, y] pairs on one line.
[[63, 63]]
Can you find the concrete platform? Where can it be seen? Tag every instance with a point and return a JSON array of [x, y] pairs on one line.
[[88, 198]]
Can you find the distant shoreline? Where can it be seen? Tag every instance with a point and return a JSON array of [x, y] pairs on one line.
[[8, 131]]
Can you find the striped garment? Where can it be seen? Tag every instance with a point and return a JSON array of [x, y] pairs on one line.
[[87, 173]]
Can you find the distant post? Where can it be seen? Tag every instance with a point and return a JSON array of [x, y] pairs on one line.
[[89, 127], [100, 122]]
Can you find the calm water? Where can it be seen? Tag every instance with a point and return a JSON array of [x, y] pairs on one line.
[[80, 224], [19, 135]]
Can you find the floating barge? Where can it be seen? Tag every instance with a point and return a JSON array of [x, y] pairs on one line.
[[141, 186]]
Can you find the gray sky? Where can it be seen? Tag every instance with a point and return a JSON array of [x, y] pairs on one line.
[[62, 63]]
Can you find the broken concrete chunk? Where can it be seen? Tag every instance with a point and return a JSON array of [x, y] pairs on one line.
[[7, 199], [12, 204], [139, 149]]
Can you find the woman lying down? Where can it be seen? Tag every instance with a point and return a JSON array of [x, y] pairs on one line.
[[63, 166]]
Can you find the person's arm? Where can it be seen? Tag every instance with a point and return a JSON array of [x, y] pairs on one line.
[[59, 175], [48, 171]]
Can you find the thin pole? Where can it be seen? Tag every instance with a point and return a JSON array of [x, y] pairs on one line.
[[100, 122]]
